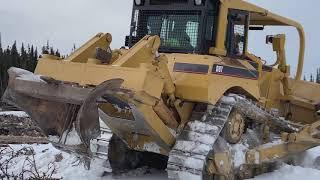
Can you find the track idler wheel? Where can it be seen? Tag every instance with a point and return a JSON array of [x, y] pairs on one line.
[[234, 128]]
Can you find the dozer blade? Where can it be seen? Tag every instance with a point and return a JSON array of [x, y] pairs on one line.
[[61, 110]]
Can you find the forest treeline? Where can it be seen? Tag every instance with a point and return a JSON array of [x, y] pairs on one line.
[[314, 78], [24, 56]]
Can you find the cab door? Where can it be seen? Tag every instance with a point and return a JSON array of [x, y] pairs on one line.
[[237, 33]]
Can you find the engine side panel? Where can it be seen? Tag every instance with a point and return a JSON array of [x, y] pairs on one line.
[[206, 78]]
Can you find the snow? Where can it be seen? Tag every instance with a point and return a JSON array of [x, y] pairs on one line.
[[202, 127], [54, 139], [70, 137], [195, 147], [274, 143], [14, 113], [288, 172], [308, 158], [239, 153], [228, 99], [73, 138], [309, 168], [185, 176], [69, 167], [151, 147], [203, 138], [24, 74]]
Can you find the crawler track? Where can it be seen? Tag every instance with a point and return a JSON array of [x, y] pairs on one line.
[[195, 143], [187, 160]]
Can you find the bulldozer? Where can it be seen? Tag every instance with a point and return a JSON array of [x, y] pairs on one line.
[[183, 94]]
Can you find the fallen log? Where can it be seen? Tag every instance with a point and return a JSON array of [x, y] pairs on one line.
[[23, 140]]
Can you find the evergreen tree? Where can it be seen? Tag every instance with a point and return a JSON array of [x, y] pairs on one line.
[[34, 59], [25, 57], [51, 51], [32, 52], [48, 45], [1, 50], [318, 76], [14, 55], [36, 54], [73, 48], [57, 53], [311, 78], [44, 50]]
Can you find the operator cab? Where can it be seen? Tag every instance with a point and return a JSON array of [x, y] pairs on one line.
[[188, 26], [184, 26], [212, 27]]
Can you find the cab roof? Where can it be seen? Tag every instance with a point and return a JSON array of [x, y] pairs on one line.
[[261, 16]]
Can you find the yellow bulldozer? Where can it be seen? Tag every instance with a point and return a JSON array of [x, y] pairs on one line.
[[183, 95]]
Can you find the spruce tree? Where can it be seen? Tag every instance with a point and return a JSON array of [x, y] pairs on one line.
[[73, 48], [34, 60], [311, 78], [57, 53], [14, 55], [51, 51], [44, 50], [318, 76], [1, 50], [25, 57]]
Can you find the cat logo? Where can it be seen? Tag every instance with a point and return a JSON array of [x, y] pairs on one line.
[[219, 69]]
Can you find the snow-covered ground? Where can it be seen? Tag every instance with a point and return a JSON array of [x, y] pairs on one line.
[[14, 113], [69, 167]]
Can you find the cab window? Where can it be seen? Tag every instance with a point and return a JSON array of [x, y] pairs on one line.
[[237, 33]]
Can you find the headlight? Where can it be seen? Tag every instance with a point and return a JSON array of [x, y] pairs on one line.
[[139, 2], [198, 2]]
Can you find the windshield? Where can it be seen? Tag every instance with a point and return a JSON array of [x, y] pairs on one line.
[[178, 31]]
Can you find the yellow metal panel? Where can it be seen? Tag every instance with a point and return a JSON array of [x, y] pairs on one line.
[[87, 50], [306, 90], [208, 87], [136, 79], [157, 128], [219, 84], [192, 87], [153, 85], [142, 52]]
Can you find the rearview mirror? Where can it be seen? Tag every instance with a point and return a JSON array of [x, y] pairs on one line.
[[269, 39]]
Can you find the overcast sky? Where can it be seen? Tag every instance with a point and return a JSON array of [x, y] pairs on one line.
[[68, 22]]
